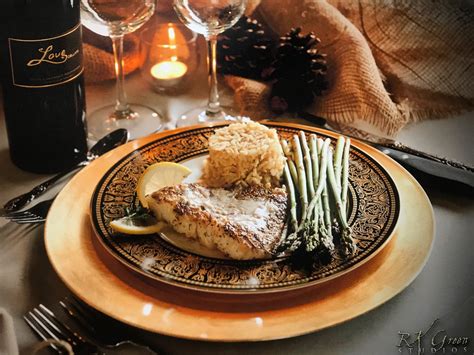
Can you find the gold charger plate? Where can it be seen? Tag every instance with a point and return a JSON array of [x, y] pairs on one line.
[[121, 294], [168, 257]]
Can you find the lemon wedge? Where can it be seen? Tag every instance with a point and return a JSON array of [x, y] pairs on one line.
[[160, 175], [128, 225]]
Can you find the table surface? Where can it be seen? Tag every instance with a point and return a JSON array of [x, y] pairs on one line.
[[444, 289]]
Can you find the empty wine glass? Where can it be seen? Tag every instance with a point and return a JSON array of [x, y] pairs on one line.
[[115, 18], [209, 18]]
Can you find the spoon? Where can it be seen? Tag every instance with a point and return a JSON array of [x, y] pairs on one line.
[[103, 145]]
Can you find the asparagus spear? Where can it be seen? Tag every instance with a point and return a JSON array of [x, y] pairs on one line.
[[307, 164], [338, 159], [345, 173], [314, 159], [346, 238], [290, 238], [322, 175], [324, 235], [308, 168], [327, 237], [289, 159], [308, 230], [311, 228], [291, 192], [302, 185], [313, 241]]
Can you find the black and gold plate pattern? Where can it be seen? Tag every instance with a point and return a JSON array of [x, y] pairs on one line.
[[374, 210]]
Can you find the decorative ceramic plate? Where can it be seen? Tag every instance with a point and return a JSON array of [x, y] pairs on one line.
[[168, 257]]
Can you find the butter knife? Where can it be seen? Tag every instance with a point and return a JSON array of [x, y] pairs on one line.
[[430, 170]]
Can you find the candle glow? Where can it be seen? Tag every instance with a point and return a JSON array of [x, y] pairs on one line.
[[168, 70], [172, 68]]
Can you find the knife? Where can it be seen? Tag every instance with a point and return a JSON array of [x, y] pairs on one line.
[[430, 170]]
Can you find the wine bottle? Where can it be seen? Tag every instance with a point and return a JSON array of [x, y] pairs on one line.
[[43, 85]]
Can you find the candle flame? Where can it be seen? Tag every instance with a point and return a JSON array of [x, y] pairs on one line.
[[169, 70]]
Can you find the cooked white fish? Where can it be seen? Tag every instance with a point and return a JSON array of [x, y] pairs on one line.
[[243, 223]]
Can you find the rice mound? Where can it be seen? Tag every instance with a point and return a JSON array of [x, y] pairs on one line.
[[245, 154]]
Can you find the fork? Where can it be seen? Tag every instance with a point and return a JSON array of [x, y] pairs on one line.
[[35, 214], [47, 326], [91, 320]]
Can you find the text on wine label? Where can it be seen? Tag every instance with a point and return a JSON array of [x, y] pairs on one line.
[[49, 56]]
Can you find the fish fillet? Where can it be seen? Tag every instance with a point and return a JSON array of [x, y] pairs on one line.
[[243, 223]]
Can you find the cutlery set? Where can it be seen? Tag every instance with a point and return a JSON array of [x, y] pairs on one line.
[[88, 340], [35, 214]]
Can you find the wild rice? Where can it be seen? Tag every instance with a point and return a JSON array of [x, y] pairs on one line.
[[244, 154]]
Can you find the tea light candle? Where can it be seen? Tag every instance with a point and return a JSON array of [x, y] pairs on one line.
[[168, 63], [168, 70]]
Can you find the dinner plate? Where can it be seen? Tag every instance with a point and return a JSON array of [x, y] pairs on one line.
[[374, 208], [107, 285]]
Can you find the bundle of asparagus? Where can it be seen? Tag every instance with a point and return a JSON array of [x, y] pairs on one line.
[[317, 179]]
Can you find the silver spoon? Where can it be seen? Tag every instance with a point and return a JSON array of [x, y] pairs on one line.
[[103, 145]]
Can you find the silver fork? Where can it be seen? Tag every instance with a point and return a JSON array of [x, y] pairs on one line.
[[90, 320], [35, 214], [47, 326]]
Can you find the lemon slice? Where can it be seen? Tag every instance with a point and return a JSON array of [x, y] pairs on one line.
[[128, 225], [160, 175]]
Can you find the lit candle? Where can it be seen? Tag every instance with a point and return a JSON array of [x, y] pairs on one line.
[[168, 70]]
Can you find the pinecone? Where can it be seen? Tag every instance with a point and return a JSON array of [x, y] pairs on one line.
[[298, 72], [244, 49]]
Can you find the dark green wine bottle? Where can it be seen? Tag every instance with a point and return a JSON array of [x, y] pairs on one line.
[[42, 81]]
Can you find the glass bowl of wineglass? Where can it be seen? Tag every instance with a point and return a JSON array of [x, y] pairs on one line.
[[209, 18], [116, 18]]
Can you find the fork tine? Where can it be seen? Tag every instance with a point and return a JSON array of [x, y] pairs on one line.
[[18, 214], [35, 214], [25, 221], [30, 220], [32, 324], [59, 326], [53, 328], [43, 326], [23, 217]]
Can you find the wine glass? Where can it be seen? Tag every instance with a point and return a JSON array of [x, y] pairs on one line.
[[115, 18], [209, 18]]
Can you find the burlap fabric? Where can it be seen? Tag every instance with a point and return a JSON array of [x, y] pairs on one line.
[[389, 62]]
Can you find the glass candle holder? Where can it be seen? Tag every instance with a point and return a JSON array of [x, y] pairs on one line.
[[170, 57]]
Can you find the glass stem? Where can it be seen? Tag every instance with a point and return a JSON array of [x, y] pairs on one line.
[[213, 105], [121, 107]]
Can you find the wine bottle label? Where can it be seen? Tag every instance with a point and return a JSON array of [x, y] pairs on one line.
[[39, 63]]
